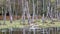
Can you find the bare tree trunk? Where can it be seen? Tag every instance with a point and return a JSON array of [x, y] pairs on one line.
[[47, 11], [13, 9], [33, 11], [43, 13], [5, 11], [16, 12], [5, 15], [10, 11], [57, 10], [37, 10], [27, 12], [18, 8], [2, 11], [48, 8], [23, 10], [51, 15]]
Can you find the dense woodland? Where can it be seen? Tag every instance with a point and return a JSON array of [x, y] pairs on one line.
[[16, 6]]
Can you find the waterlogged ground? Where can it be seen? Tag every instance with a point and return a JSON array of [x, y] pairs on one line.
[[30, 32], [38, 23], [19, 24]]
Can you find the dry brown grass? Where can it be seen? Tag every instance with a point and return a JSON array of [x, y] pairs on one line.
[[8, 18]]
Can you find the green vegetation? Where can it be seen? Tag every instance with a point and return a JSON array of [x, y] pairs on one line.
[[19, 24]]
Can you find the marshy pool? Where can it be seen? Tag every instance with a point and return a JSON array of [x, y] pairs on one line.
[[52, 30]]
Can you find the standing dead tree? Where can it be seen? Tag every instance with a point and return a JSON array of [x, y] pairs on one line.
[[27, 12], [23, 10], [10, 11], [33, 11]]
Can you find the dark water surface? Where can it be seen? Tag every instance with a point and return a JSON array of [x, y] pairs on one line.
[[37, 31]]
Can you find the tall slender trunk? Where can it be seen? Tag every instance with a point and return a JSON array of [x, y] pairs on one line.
[[51, 12], [48, 9], [5, 15], [10, 11], [23, 10], [37, 11], [57, 10], [27, 12], [5, 11], [16, 12], [33, 11], [13, 8], [2, 11], [51, 15], [43, 13]]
